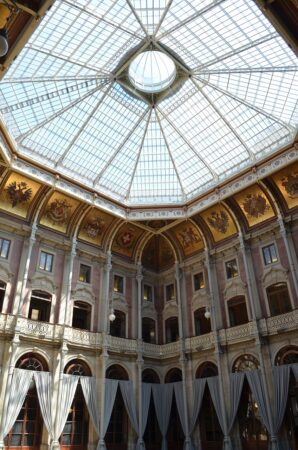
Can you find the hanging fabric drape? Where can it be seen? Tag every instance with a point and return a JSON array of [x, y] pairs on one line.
[[146, 395], [89, 390], [255, 381], [178, 389], [294, 368], [20, 384], [162, 396], [43, 383], [129, 402], [198, 392], [281, 379], [236, 385], [66, 395], [111, 387], [213, 384]]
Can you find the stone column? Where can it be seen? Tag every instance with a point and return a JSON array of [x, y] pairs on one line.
[[104, 355], [256, 314], [64, 311], [23, 272], [140, 361], [56, 398], [290, 249], [216, 324], [183, 358], [14, 346], [253, 295]]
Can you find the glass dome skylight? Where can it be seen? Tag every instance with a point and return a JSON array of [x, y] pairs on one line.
[[152, 71], [66, 104]]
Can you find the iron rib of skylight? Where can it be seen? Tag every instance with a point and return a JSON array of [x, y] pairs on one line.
[[190, 19], [234, 131], [162, 18], [138, 157], [236, 52], [290, 127], [196, 153], [285, 69], [137, 17], [75, 138], [171, 156], [103, 19], [101, 173]]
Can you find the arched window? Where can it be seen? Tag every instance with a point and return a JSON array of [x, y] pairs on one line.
[[27, 429], [253, 433], [118, 326], [202, 325], [148, 330], [289, 428], [150, 376], [152, 435], [175, 436], [237, 311], [207, 369], [40, 306], [81, 317], [2, 294], [172, 329], [278, 299], [117, 433], [75, 432]]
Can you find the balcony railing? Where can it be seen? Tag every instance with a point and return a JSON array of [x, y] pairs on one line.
[[43, 331]]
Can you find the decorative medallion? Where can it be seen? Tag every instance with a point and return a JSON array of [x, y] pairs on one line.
[[58, 211], [125, 239], [94, 227], [219, 221], [18, 192], [255, 205], [189, 237], [290, 183]]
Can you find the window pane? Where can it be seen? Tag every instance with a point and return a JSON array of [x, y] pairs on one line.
[[4, 248], [199, 281], [85, 273], [231, 268], [118, 284]]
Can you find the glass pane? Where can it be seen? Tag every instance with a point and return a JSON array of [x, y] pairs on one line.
[[16, 440]]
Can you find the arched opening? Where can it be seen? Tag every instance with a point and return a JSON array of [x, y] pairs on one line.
[[75, 432], [118, 326], [202, 325], [289, 428], [210, 431], [117, 433], [237, 311], [172, 330], [148, 330], [81, 316], [278, 299], [40, 306], [152, 436], [252, 431], [175, 436], [150, 376], [26, 432], [2, 294]]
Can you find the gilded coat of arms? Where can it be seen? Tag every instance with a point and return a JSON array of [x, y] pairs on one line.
[[94, 227], [290, 183], [188, 237], [18, 192], [125, 239], [219, 221], [255, 205], [58, 211]]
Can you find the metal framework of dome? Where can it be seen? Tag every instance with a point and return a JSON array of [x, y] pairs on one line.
[[66, 107]]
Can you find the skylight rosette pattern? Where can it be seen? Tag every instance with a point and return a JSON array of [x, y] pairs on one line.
[[64, 102]]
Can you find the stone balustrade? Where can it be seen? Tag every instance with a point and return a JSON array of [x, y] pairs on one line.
[[43, 331]]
